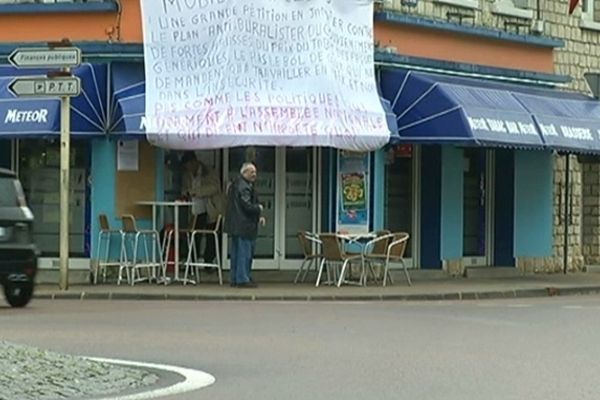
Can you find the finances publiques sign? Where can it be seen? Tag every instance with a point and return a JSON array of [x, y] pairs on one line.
[[226, 73]]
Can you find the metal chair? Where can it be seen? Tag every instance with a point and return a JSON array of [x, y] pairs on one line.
[[104, 235], [192, 256], [132, 236], [334, 255], [373, 249], [308, 241], [394, 252]]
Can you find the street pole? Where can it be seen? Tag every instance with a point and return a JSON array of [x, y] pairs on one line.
[[65, 155], [566, 213], [63, 85]]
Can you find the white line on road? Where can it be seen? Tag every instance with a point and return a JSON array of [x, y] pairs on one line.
[[193, 380], [573, 307], [519, 305]]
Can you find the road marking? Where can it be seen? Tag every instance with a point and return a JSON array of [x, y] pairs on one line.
[[574, 307], [489, 305], [519, 305], [193, 380]]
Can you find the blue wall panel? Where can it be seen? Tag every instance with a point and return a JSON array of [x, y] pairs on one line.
[[104, 165], [533, 203], [452, 203]]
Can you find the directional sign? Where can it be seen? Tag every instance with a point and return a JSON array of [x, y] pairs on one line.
[[41, 86], [57, 57]]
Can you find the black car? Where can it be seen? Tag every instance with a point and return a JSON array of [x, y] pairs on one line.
[[18, 253]]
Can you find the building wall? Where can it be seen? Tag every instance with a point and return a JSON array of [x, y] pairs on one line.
[[425, 42], [580, 54], [109, 26]]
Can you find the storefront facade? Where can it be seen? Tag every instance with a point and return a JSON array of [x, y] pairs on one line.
[[465, 198]]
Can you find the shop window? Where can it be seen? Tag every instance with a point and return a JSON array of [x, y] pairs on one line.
[[39, 172]]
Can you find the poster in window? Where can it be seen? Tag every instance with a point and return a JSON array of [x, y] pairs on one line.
[[353, 192]]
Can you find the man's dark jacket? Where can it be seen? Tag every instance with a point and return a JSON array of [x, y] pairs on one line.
[[243, 211]]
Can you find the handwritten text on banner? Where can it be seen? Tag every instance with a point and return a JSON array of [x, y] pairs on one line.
[[224, 73]]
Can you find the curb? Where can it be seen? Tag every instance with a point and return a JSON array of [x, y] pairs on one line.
[[485, 295]]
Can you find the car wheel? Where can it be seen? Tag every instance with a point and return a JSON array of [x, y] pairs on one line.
[[18, 294]]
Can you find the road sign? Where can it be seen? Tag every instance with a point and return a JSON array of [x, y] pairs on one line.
[[42, 57], [41, 86]]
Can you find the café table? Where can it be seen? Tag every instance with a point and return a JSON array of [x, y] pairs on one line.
[[359, 239], [176, 205]]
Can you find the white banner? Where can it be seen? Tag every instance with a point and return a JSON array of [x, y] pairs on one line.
[[226, 73]]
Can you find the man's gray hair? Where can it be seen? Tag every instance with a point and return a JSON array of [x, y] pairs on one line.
[[246, 166]]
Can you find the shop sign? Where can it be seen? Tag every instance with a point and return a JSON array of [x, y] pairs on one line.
[[16, 116], [228, 73]]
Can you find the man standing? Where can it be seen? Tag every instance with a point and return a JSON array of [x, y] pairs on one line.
[[241, 223]]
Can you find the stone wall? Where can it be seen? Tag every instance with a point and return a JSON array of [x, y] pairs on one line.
[[591, 213], [580, 54]]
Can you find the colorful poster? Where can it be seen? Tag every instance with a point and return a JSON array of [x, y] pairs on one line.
[[227, 73], [353, 191], [353, 214]]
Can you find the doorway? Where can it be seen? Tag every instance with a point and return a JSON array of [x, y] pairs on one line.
[[402, 182], [289, 189], [478, 207]]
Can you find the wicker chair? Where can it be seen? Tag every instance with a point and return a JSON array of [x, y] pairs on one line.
[[333, 256], [311, 259]]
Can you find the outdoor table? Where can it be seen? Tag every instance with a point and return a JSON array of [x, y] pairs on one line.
[[359, 239], [176, 206]]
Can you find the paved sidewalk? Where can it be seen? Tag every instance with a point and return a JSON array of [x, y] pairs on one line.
[[422, 289]]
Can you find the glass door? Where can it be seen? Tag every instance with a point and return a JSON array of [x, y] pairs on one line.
[[265, 159], [300, 194], [287, 188]]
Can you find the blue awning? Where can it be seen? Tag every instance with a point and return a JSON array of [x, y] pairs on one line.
[[390, 118], [128, 99], [21, 116], [567, 122], [433, 108]]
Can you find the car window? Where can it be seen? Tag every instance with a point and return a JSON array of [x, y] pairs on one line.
[[8, 193]]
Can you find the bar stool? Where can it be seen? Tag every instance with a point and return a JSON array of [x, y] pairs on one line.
[[167, 241], [130, 263], [104, 235], [192, 256]]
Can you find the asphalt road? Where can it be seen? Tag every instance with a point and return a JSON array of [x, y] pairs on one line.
[[509, 349]]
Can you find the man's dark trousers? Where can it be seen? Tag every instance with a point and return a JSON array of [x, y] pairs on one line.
[[242, 253]]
